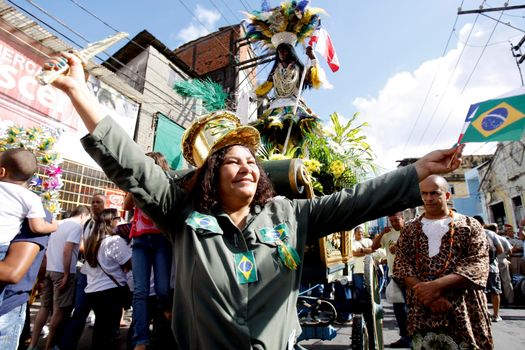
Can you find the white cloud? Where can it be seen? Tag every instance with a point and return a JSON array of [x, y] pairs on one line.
[[393, 112], [204, 24]]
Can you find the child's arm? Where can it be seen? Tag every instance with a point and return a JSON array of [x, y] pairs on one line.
[[40, 226]]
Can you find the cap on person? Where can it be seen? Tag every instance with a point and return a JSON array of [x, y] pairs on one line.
[[215, 131]]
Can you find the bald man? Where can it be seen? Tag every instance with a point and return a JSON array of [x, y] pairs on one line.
[[442, 260]]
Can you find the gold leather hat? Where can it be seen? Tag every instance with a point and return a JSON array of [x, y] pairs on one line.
[[214, 131]]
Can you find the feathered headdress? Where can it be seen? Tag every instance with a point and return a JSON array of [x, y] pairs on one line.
[[291, 22]]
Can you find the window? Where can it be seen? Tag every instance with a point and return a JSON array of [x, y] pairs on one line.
[[81, 182]]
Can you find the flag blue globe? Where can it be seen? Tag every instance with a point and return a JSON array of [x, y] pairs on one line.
[[494, 119]]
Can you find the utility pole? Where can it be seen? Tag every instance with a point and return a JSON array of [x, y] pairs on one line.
[[515, 50], [492, 9], [518, 56]]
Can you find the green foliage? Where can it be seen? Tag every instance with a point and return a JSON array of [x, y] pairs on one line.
[[269, 151], [212, 94], [337, 158], [340, 158]]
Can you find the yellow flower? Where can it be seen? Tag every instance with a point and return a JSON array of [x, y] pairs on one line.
[[337, 168], [278, 156], [313, 165], [13, 131]]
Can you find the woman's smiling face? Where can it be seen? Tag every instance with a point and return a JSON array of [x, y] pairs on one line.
[[238, 176]]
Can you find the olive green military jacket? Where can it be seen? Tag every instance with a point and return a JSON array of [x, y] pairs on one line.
[[214, 307]]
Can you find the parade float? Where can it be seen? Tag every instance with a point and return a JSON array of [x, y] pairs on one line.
[[317, 158], [303, 157]]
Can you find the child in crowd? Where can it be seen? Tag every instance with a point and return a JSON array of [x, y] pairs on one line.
[[17, 167]]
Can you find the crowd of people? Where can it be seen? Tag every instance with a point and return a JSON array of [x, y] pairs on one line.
[[442, 263], [236, 247], [223, 254], [81, 267]]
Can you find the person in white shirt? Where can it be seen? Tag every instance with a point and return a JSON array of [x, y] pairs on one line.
[[504, 270], [517, 266], [360, 248], [17, 167], [108, 258], [75, 325], [59, 284], [388, 240]]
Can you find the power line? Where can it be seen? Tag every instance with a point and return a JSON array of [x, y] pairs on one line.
[[219, 10], [448, 83], [57, 20], [48, 25], [92, 14], [468, 79], [478, 46], [173, 103], [506, 24], [213, 36], [116, 30], [480, 147], [453, 30], [245, 5], [231, 11]]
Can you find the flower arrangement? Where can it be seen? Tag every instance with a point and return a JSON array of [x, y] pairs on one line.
[[336, 158], [39, 140]]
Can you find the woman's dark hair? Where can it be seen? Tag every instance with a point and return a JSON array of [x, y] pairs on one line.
[[159, 159], [293, 58], [101, 229], [203, 184]]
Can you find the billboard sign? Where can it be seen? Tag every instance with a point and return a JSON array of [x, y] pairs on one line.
[[26, 103]]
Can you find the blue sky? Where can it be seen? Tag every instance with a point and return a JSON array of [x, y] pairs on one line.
[[396, 68]]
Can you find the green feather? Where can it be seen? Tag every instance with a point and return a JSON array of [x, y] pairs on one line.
[[212, 94]]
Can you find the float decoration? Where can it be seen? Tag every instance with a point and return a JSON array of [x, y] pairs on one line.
[[336, 158], [39, 140], [292, 18], [212, 94]]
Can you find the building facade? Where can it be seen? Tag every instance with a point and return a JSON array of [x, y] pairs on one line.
[[227, 59], [463, 185], [502, 184], [24, 47]]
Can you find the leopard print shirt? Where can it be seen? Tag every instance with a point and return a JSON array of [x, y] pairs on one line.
[[468, 322]]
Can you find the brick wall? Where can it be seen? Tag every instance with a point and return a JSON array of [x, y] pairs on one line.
[[210, 53]]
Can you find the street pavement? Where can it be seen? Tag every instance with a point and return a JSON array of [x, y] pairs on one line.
[[508, 334], [344, 334]]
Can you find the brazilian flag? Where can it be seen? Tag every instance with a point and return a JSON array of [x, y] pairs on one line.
[[500, 119]]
